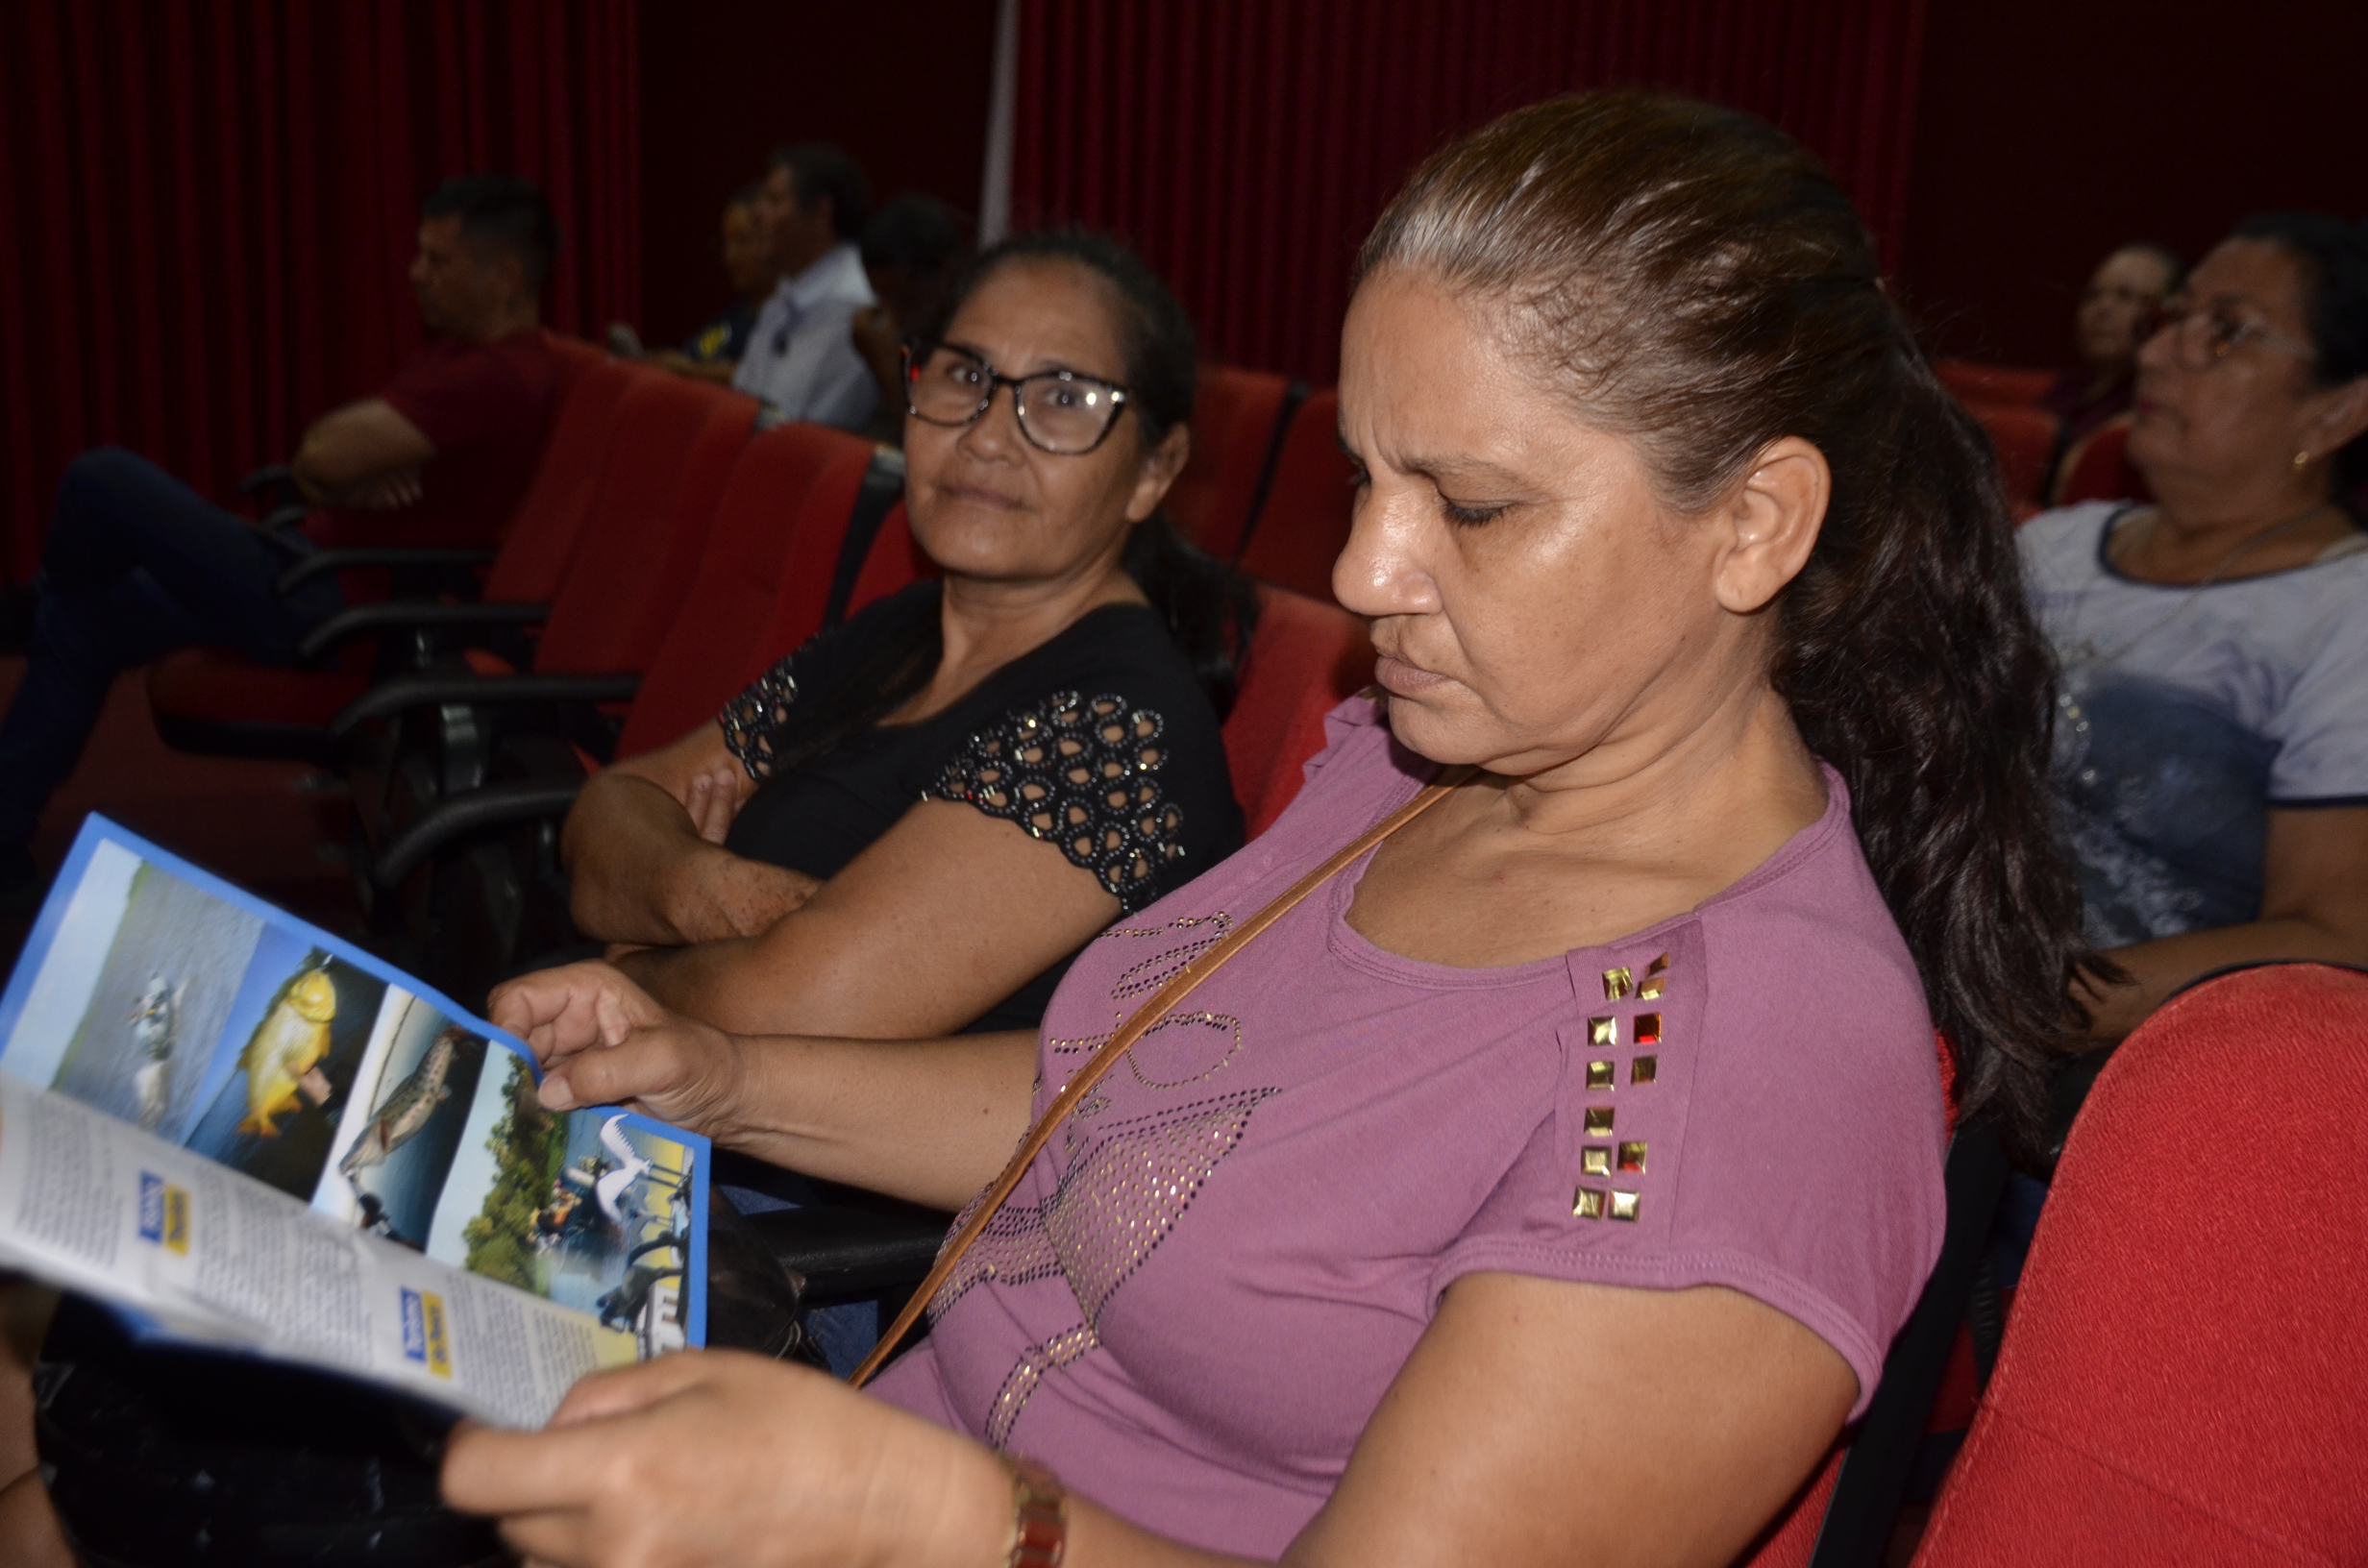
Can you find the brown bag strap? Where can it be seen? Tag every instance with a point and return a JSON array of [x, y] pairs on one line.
[[1163, 1001]]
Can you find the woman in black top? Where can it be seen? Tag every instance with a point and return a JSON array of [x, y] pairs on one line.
[[847, 851]]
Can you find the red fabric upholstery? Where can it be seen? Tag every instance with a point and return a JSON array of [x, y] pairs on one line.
[[1299, 534], [674, 445], [1305, 659], [2181, 1379], [215, 686], [894, 562], [1234, 414], [2008, 385], [2026, 439], [776, 535], [543, 534], [2098, 468]]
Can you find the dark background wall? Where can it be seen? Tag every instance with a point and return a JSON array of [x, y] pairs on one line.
[[903, 87], [2050, 130]]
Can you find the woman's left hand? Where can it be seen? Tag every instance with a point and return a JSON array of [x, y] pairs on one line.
[[722, 1457]]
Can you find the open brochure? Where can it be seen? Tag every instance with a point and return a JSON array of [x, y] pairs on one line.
[[248, 1132]]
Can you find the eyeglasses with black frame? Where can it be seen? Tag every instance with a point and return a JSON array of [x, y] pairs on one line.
[[2202, 334], [1060, 411]]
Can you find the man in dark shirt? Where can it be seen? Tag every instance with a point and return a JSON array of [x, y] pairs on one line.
[[135, 563]]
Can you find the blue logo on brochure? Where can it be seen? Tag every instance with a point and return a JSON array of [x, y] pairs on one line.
[[151, 1206], [414, 1326], [163, 1213]]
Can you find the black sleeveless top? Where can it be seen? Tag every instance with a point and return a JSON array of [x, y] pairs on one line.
[[1100, 742]]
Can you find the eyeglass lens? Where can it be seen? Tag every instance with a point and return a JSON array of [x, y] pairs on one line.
[[1061, 413]]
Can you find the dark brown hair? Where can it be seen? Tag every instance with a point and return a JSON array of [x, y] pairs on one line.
[[1689, 278]]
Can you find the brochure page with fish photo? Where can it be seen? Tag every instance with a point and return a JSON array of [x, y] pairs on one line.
[[163, 997]]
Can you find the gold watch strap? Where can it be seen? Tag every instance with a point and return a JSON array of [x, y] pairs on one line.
[[1039, 1515]]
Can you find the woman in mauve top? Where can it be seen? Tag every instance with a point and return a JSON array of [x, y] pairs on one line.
[[1548, 1184]]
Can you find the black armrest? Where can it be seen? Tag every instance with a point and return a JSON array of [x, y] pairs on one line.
[[849, 1253], [407, 692], [1882, 1458], [344, 560], [491, 805], [413, 615], [264, 478], [282, 518]]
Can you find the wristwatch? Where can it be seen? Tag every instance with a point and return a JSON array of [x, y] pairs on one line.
[[1039, 1515]]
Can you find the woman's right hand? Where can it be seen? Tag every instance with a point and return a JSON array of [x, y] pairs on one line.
[[602, 1040]]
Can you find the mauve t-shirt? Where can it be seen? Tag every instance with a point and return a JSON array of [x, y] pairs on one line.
[[1198, 1294]]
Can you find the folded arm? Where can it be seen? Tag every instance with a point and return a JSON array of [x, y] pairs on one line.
[[2314, 905], [944, 915], [364, 454], [645, 853]]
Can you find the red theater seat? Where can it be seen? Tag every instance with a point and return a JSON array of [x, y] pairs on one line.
[[2182, 1378], [2026, 439], [210, 700], [1238, 415], [1975, 383], [1306, 658], [2098, 468], [764, 580], [1299, 534]]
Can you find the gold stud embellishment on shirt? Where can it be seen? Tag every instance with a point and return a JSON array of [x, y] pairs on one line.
[[1617, 984], [1599, 1075], [1587, 1203], [1631, 1158], [1643, 1069], [1595, 1159], [1598, 1121], [1656, 979], [1648, 1029], [1625, 1206], [1603, 1031]]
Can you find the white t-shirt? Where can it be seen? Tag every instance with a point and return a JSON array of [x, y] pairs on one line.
[[801, 357], [2185, 713]]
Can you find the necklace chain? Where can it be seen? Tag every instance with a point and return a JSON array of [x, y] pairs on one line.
[[2086, 652]]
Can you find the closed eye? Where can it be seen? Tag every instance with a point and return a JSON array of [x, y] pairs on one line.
[[1472, 517]]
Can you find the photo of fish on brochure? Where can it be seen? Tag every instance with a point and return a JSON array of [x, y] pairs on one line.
[[598, 1210]]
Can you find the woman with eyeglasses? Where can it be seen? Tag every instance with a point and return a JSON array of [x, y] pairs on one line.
[[2212, 723], [907, 826]]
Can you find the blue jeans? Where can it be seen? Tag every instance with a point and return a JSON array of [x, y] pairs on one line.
[[135, 564]]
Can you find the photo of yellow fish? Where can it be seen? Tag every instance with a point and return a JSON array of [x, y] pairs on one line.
[[283, 1057]]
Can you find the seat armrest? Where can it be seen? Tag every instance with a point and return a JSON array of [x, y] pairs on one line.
[[413, 615], [488, 806], [345, 561], [405, 693], [845, 1254]]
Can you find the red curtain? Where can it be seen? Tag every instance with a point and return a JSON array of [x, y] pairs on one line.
[[211, 203], [1245, 146]]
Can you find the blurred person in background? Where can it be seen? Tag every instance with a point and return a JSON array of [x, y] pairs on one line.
[[913, 249], [712, 353], [2212, 731], [136, 564], [2116, 310], [800, 358]]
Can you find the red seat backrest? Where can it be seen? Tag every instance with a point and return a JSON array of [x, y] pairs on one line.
[[2098, 468], [776, 535], [1300, 531], [2182, 1377], [894, 562], [2025, 440], [1235, 412], [570, 357], [540, 541], [677, 440], [2010, 385], [1306, 658]]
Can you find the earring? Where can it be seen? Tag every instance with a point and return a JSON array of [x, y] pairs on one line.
[[2302, 460]]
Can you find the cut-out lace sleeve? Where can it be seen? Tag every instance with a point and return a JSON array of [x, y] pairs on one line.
[[1083, 775], [750, 718]]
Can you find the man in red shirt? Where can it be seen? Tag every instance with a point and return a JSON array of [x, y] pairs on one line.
[[135, 563]]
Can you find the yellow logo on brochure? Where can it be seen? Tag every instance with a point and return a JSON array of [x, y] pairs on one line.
[[440, 1340], [164, 1212]]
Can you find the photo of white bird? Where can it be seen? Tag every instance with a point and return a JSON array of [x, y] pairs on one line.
[[153, 1028], [610, 1186]]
